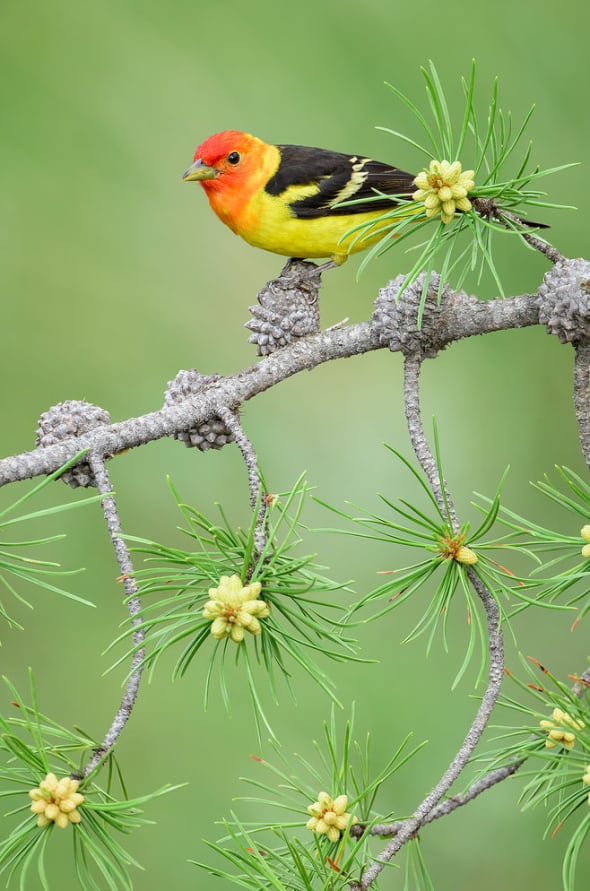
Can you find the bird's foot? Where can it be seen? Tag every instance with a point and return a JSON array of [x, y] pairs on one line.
[[312, 268], [329, 264], [302, 275]]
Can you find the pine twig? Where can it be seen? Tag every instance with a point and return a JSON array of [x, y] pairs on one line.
[[582, 395], [251, 461], [443, 808], [113, 522], [408, 828]]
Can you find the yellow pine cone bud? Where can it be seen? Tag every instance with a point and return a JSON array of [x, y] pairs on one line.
[[56, 801], [585, 532], [443, 189], [556, 729], [234, 608], [466, 555], [586, 550], [329, 817]]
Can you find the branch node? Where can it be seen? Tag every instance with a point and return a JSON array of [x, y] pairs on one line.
[[287, 309], [74, 417], [212, 433], [396, 315], [564, 300], [582, 684]]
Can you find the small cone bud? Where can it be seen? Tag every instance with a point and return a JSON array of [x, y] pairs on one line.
[[466, 555]]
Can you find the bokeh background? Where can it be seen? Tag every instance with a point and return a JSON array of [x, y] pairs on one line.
[[115, 274]]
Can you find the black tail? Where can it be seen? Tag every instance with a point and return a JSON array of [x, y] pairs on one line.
[[487, 207], [532, 225]]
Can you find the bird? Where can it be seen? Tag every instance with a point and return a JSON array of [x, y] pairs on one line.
[[288, 199]]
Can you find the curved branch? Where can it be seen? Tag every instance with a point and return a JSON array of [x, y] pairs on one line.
[[408, 828], [251, 461], [412, 368], [111, 515]]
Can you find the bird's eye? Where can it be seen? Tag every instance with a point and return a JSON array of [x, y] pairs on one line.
[[233, 158]]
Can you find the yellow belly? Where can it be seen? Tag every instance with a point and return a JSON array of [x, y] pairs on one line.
[[313, 238], [267, 222]]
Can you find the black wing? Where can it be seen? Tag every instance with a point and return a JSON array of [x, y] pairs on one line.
[[338, 177]]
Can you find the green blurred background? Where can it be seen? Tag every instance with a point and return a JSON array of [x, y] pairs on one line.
[[115, 275]]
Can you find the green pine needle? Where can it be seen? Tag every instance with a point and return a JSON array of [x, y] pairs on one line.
[[282, 853], [31, 746], [554, 775], [298, 630], [439, 571], [32, 570], [502, 175]]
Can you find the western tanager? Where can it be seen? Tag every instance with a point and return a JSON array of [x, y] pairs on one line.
[[285, 198]]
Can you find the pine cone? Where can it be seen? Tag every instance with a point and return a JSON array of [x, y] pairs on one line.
[[74, 417], [287, 308], [211, 434], [396, 315], [564, 300]]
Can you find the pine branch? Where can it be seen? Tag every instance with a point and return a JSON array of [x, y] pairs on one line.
[[458, 317], [562, 303]]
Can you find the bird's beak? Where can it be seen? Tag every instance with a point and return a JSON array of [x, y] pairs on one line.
[[199, 171]]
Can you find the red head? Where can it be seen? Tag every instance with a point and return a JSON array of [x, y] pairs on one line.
[[216, 150], [226, 159], [232, 167]]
